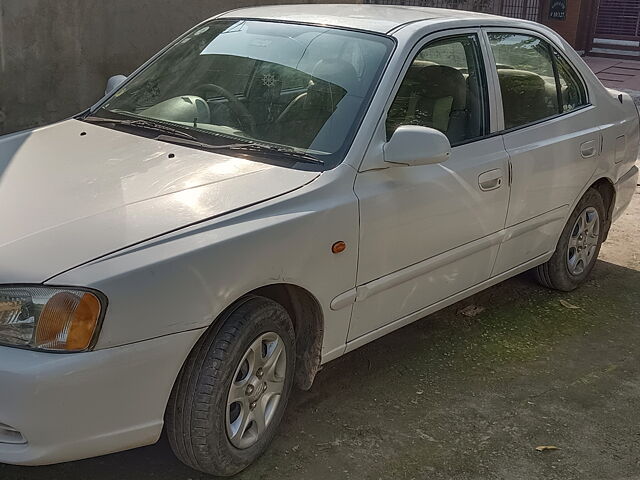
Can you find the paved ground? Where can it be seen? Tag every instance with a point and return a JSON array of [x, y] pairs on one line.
[[616, 73], [452, 397]]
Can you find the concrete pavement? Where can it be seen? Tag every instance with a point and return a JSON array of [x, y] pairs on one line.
[[616, 73]]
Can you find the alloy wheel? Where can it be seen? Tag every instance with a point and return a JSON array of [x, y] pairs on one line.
[[583, 242], [256, 390]]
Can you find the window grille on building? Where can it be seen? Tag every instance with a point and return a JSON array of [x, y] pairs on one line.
[[618, 18]]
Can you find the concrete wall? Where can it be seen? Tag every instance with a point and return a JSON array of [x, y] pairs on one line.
[[55, 55]]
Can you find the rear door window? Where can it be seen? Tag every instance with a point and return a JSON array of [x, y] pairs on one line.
[[535, 81]]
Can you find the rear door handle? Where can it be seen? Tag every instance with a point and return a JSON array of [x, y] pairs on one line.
[[490, 180], [588, 149]]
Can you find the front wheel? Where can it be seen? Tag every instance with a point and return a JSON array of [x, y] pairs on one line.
[[578, 247], [233, 389]]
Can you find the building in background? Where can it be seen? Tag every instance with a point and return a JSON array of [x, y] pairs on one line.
[[594, 27], [56, 55]]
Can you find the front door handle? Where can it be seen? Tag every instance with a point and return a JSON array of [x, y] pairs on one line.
[[490, 180], [588, 149]]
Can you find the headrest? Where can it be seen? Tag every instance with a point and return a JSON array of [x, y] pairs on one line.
[[440, 81], [417, 64], [520, 81], [337, 72]]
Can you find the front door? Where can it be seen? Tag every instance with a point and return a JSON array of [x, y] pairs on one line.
[[428, 232]]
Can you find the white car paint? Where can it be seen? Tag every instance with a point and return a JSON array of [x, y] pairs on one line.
[[172, 242], [111, 183]]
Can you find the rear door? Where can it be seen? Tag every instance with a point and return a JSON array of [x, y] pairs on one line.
[[550, 134]]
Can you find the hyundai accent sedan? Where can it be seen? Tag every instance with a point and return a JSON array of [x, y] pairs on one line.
[[277, 187]]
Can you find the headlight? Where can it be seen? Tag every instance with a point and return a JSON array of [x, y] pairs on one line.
[[50, 318]]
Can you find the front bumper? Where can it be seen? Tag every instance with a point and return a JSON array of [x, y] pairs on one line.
[[73, 406], [625, 188]]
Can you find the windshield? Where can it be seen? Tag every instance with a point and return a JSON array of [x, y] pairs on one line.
[[289, 85]]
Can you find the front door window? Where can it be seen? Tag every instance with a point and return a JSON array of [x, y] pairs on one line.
[[443, 89]]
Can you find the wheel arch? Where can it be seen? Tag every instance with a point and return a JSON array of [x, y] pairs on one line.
[[605, 187], [607, 191], [308, 324]]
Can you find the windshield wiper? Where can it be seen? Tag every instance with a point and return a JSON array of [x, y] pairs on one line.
[[265, 150], [143, 124]]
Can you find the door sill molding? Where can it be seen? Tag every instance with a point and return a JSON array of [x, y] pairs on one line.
[[369, 289], [373, 287], [401, 322]]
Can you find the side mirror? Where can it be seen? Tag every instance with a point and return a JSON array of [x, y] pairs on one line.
[[113, 83], [414, 145]]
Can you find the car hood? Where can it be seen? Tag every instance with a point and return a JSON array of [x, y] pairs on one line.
[[73, 191]]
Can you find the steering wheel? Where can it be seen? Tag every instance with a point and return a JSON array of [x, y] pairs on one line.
[[244, 117]]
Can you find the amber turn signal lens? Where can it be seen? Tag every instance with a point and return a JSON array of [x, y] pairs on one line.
[[338, 247], [68, 321]]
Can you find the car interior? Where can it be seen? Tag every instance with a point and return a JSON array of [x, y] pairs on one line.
[[442, 90], [526, 96], [309, 107], [306, 93]]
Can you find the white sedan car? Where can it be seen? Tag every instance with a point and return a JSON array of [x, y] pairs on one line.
[[277, 187]]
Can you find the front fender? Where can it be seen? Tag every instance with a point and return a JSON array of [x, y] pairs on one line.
[[184, 280]]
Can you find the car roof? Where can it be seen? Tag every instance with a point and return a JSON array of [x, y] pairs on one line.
[[376, 18]]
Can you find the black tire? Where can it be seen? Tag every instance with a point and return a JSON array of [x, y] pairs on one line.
[[196, 413], [555, 272]]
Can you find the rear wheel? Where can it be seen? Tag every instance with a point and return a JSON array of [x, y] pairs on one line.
[[578, 247], [233, 389]]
